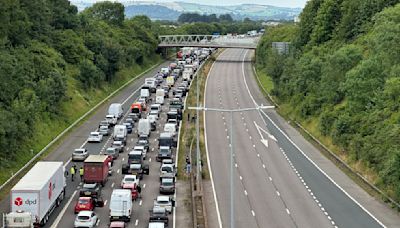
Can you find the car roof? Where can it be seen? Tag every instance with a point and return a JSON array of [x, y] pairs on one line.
[[130, 176], [162, 198], [85, 213], [85, 198]]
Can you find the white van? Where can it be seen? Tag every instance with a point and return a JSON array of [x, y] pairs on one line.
[[171, 128], [121, 205], [144, 127], [144, 93], [116, 110], [151, 83], [160, 94], [120, 132]]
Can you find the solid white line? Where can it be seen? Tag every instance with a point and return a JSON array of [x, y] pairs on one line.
[[305, 155], [59, 217], [208, 155]]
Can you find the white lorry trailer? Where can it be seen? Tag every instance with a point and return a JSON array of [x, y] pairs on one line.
[[36, 195]]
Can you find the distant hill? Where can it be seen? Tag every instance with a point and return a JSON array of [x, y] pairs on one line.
[[155, 12], [172, 10]]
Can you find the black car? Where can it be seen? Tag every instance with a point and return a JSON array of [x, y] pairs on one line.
[[159, 214], [90, 190], [129, 127], [143, 142]]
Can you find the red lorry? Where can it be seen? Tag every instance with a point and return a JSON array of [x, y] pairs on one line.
[[95, 169]]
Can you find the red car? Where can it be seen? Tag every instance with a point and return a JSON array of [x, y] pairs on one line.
[[132, 187], [84, 204], [117, 224]]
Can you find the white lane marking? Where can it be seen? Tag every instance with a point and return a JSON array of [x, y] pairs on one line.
[[105, 203], [245, 192], [287, 211], [277, 192], [240, 177], [136, 222], [118, 171], [140, 203], [208, 155], [112, 185], [59, 217], [144, 185], [123, 159], [270, 178], [152, 149], [149, 159], [253, 213], [98, 221]]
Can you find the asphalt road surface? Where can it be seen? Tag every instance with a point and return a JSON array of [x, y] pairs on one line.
[[275, 185], [64, 216]]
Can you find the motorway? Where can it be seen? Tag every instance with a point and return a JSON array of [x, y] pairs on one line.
[[275, 184], [64, 216]]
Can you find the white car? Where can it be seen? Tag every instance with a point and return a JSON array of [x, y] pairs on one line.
[[164, 202], [111, 119], [95, 137], [153, 113], [141, 149], [86, 219], [167, 168], [129, 179]]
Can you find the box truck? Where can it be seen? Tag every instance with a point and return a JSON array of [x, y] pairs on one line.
[[95, 169], [35, 196]]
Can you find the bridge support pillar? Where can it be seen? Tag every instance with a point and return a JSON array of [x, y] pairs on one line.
[[164, 52]]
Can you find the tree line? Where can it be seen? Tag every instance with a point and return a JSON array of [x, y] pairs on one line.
[[343, 74], [195, 17], [45, 45]]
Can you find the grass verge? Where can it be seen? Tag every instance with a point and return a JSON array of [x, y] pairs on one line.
[[188, 130]]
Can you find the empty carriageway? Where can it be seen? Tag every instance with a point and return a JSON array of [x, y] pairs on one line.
[[267, 192]]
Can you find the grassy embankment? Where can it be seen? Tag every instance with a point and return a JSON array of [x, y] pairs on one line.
[[78, 102]]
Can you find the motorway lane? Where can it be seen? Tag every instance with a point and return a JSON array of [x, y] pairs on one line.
[[341, 210], [274, 194], [77, 138], [150, 183]]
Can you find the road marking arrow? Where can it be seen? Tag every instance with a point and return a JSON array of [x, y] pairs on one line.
[[261, 131]]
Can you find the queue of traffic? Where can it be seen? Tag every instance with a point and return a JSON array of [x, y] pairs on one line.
[[161, 95]]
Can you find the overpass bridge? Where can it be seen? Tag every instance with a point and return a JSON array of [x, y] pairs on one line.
[[208, 41]]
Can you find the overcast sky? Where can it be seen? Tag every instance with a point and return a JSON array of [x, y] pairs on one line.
[[285, 3]]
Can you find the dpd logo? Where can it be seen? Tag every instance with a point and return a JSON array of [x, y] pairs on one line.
[[18, 201]]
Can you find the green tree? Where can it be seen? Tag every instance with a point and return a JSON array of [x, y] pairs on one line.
[[111, 12]]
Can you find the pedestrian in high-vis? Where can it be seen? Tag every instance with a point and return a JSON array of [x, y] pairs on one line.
[[81, 173], [72, 171]]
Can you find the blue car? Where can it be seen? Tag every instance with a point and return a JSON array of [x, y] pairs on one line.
[[129, 127]]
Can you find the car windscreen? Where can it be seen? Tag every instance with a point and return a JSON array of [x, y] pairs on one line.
[[167, 169], [83, 217], [134, 157]]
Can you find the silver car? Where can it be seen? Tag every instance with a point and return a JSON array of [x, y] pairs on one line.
[[80, 154], [104, 130]]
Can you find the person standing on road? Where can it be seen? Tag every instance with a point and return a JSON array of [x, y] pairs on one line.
[[81, 173], [72, 171], [139, 190]]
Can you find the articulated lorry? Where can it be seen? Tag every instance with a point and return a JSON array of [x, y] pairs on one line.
[[36, 195]]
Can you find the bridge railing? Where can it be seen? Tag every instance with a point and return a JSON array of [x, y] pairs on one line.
[[209, 40]]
